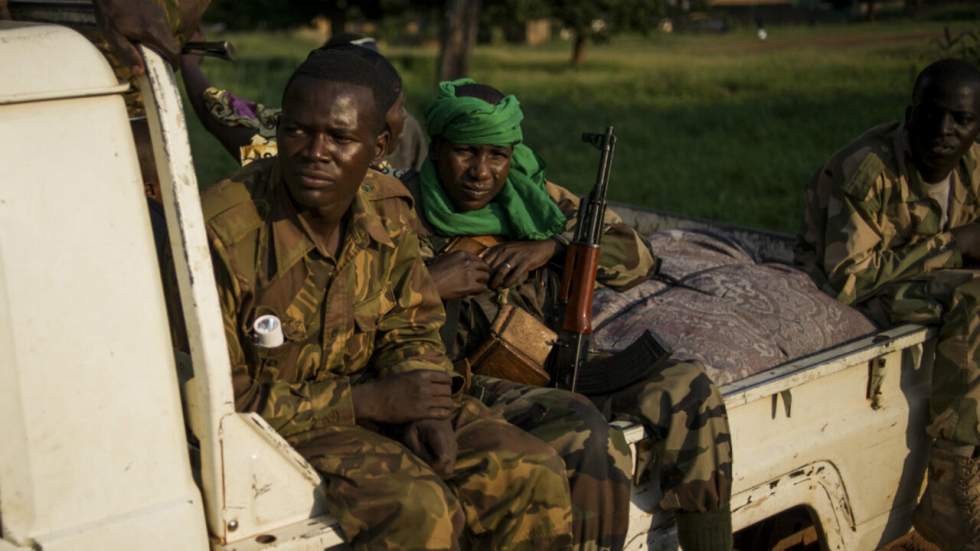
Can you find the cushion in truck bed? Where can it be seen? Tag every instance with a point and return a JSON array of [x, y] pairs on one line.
[[713, 303]]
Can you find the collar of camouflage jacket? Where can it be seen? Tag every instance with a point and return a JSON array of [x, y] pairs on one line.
[[292, 238]]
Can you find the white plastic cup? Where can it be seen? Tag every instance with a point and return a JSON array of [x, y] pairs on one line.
[[267, 331]]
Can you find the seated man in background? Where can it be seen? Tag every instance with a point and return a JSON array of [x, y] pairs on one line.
[[893, 226], [247, 129], [481, 180], [315, 244]]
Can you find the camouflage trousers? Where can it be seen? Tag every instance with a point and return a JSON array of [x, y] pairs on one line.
[[597, 459], [508, 489], [689, 445], [951, 300]]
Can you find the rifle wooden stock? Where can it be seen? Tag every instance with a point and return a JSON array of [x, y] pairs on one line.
[[577, 284], [581, 266]]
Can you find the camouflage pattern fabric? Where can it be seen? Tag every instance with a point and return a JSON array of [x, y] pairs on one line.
[[508, 490], [231, 110], [689, 445], [597, 459], [625, 260], [370, 311], [680, 406], [872, 238]]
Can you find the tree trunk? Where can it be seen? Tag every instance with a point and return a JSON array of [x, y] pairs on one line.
[[578, 47], [871, 10], [338, 19], [458, 38], [912, 7]]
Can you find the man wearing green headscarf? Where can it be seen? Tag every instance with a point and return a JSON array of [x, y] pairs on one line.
[[482, 180]]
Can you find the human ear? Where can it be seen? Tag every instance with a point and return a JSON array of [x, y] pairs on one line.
[[381, 145]]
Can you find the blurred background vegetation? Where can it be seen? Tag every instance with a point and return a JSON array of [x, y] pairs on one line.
[[713, 120]]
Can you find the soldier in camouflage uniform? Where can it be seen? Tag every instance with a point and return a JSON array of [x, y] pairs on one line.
[[477, 148], [893, 226], [361, 387]]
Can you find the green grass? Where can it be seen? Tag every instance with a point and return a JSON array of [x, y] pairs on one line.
[[724, 127]]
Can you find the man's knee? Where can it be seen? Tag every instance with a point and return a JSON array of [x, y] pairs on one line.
[[541, 510], [529, 464], [512, 484], [680, 389], [402, 512], [382, 495], [569, 421]]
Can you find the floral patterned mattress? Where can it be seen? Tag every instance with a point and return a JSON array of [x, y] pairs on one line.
[[712, 302]]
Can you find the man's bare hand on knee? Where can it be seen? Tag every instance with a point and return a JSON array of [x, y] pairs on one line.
[[434, 441], [405, 397]]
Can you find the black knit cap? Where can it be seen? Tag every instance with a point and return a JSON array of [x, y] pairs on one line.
[[346, 63], [391, 81]]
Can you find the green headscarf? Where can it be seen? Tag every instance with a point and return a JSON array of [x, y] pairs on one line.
[[523, 209]]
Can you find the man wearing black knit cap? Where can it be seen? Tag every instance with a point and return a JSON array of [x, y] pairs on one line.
[[314, 243]]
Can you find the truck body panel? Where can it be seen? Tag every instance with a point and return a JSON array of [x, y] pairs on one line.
[[89, 400], [96, 456]]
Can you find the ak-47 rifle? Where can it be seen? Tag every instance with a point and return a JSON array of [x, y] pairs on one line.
[[570, 365], [578, 277]]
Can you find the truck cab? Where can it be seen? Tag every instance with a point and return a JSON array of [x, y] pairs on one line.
[[113, 440]]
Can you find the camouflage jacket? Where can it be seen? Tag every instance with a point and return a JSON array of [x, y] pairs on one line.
[[370, 311], [870, 223], [625, 258]]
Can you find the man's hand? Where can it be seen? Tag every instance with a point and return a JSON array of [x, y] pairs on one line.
[[967, 240], [434, 441], [124, 23], [405, 397], [511, 262], [459, 274]]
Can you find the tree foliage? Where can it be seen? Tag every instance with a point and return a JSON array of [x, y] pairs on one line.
[[588, 20], [278, 14]]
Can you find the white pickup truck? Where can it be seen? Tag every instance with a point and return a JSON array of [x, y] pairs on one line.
[[94, 421]]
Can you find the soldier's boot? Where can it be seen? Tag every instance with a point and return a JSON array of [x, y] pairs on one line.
[[949, 513], [711, 531]]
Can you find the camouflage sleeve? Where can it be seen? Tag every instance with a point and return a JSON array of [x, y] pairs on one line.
[[427, 248], [408, 335], [625, 258], [291, 409], [858, 256]]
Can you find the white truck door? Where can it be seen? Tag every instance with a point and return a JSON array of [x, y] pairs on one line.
[[93, 453]]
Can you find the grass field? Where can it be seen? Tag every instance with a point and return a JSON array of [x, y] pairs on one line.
[[724, 127]]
